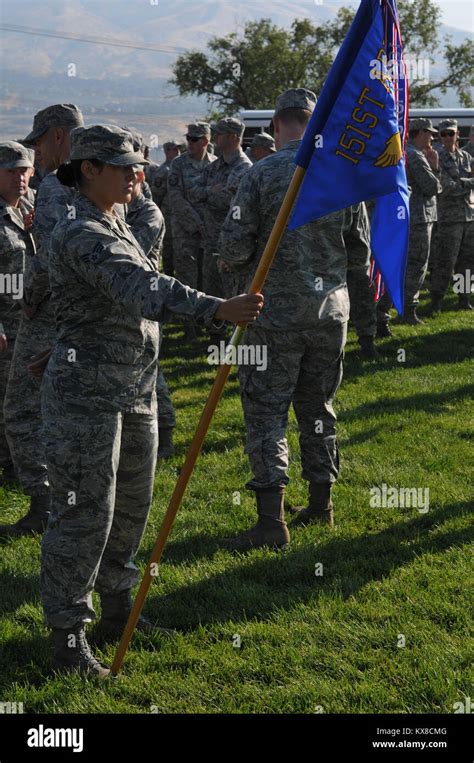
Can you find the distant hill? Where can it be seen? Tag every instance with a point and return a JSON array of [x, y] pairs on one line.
[[118, 83]]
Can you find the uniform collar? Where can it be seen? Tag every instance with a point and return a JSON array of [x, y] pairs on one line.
[[14, 213], [292, 144], [452, 154], [89, 209], [196, 162], [86, 208]]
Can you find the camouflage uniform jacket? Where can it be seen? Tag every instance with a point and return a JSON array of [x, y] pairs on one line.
[[158, 182], [53, 200], [215, 188], [108, 298], [456, 202], [424, 184], [30, 195], [186, 218], [148, 227], [17, 247], [307, 280]]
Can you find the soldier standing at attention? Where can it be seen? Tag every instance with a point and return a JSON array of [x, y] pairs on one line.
[[187, 222], [363, 307], [158, 182], [455, 246], [303, 327], [99, 399], [215, 189], [36, 333], [263, 144], [148, 226], [16, 248], [423, 179]]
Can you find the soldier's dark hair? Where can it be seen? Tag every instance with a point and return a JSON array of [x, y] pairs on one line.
[[413, 133], [65, 174], [298, 117], [70, 173]]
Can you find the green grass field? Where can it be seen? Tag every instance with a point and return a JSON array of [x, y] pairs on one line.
[[309, 643]]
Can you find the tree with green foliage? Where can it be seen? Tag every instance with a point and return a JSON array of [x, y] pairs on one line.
[[247, 70]]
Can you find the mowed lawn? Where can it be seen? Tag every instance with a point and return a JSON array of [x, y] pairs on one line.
[[384, 628]]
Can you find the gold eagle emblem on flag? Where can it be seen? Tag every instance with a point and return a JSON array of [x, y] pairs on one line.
[[392, 152]]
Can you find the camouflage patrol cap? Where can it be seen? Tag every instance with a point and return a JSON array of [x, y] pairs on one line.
[[448, 124], [295, 98], [59, 115], [108, 143], [13, 155], [170, 144], [199, 130], [138, 139], [421, 123], [229, 125], [265, 140]]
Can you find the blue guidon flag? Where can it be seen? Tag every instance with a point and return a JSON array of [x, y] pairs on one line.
[[353, 147]]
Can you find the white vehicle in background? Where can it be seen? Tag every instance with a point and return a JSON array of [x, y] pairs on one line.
[[257, 121]]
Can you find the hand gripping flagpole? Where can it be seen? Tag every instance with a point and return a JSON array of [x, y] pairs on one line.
[[205, 420]]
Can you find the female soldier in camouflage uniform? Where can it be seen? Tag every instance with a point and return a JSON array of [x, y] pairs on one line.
[[98, 395]]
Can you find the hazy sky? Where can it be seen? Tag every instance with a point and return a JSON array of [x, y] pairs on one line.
[[459, 13]]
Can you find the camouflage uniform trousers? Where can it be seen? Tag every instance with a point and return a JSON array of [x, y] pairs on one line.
[[363, 305], [166, 412], [433, 248], [304, 367], [417, 262], [5, 364], [454, 253], [187, 255], [101, 471], [22, 406]]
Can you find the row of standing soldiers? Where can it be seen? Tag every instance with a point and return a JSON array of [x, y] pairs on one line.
[[195, 191], [178, 215]]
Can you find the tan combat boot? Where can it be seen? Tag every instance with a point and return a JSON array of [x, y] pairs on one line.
[[271, 530], [410, 317], [319, 509], [34, 521], [73, 653]]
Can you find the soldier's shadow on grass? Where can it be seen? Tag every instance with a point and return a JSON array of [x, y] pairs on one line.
[[17, 590], [423, 348], [257, 587], [348, 441], [430, 402], [25, 660]]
